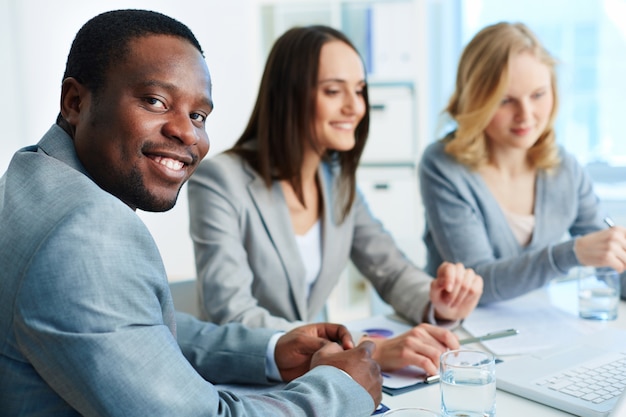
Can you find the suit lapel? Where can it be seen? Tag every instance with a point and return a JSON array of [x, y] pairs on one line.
[[272, 209]]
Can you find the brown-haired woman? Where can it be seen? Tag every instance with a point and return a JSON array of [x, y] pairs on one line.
[[276, 219]]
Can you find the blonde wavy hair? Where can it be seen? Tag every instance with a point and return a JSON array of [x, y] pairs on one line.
[[481, 83]]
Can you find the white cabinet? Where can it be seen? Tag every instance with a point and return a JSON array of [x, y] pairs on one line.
[[392, 138], [387, 175], [393, 197]]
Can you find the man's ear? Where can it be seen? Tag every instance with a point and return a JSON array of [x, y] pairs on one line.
[[74, 98]]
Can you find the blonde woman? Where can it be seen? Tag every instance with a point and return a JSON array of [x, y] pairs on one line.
[[500, 195]]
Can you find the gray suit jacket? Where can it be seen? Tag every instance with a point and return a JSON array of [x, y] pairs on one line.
[[248, 264], [87, 324]]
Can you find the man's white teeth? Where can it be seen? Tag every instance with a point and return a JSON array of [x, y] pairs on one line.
[[170, 163]]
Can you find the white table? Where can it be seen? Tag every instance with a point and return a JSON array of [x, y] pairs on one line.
[[508, 405]]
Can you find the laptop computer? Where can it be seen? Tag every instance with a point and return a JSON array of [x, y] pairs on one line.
[[586, 378]]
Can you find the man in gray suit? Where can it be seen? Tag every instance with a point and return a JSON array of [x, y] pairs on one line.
[[87, 324]]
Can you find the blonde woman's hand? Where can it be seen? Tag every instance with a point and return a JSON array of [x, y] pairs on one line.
[[603, 248]]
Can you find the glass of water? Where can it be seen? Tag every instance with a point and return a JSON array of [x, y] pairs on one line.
[[468, 383], [598, 293]]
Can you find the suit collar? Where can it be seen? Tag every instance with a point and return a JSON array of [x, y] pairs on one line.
[[273, 211], [59, 145]]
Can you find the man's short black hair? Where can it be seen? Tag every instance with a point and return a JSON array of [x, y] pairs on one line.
[[103, 41]]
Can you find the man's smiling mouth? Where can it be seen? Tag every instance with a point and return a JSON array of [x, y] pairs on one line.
[[172, 164]]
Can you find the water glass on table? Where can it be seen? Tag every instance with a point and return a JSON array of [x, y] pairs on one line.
[[468, 383], [598, 293]]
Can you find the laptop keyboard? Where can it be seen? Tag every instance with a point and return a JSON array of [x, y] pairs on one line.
[[595, 381]]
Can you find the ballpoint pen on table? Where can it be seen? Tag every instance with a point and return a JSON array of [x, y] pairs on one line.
[[489, 336]]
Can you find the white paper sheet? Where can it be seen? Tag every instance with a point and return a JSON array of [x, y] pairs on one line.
[[545, 319]]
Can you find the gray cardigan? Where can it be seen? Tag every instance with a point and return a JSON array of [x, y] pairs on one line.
[[464, 223]]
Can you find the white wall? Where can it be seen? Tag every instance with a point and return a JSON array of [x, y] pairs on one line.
[[35, 37], [8, 72]]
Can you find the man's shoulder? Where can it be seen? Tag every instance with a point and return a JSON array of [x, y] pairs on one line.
[[40, 191], [37, 177], [48, 204]]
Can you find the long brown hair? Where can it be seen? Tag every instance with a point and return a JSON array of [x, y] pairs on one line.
[[282, 119], [481, 82]]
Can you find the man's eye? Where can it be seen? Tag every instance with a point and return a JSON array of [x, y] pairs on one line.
[[155, 102], [198, 116]]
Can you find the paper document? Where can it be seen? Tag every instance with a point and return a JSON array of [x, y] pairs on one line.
[[382, 326], [545, 318]]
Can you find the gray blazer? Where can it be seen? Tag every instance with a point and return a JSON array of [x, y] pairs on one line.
[[87, 324], [248, 264]]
